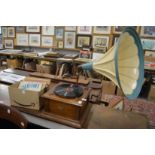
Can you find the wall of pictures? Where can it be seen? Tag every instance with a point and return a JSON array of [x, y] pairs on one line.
[[100, 38]]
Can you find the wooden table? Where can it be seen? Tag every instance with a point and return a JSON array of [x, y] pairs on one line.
[[100, 117]]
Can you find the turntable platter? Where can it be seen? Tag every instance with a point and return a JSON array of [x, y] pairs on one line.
[[68, 90]]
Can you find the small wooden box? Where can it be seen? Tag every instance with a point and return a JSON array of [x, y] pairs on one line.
[[14, 63]]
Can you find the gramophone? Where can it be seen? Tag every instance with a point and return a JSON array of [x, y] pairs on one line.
[[123, 64]]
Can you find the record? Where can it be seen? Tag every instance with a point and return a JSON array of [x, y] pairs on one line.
[[67, 90]]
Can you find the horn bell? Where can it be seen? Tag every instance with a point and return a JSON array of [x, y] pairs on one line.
[[123, 63]]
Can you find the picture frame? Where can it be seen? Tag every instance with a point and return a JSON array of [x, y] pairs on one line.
[[48, 30], [33, 29], [4, 32], [149, 53], [69, 40], [100, 50], [70, 28], [148, 44], [119, 29], [100, 41], [59, 33], [34, 40], [0, 30], [1, 42], [60, 44], [147, 31], [84, 30], [8, 43], [102, 29], [20, 29], [83, 40], [47, 41], [11, 32], [22, 39]]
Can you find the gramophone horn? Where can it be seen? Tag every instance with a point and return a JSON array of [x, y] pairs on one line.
[[123, 63]]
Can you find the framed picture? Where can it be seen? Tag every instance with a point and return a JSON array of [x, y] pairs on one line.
[[48, 30], [34, 39], [100, 50], [4, 32], [20, 29], [11, 32], [47, 41], [8, 43], [22, 39], [150, 53], [33, 29], [69, 40], [148, 44], [60, 44], [147, 31], [1, 43], [100, 41], [84, 29], [70, 28], [119, 29], [102, 29], [83, 40], [0, 30], [59, 33]]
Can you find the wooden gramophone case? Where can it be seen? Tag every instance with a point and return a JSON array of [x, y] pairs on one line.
[[72, 112]]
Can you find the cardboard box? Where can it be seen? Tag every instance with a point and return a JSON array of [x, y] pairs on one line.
[[25, 99], [14, 63], [151, 96]]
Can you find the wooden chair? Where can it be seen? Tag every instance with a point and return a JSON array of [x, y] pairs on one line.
[[10, 118]]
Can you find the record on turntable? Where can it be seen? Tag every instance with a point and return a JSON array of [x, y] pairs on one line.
[[68, 90]]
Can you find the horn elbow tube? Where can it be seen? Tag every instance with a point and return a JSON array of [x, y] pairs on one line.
[[87, 66]]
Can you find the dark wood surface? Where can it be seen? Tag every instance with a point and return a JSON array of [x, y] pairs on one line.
[[73, 110], [57, 78], [13, 116], [100, 117]]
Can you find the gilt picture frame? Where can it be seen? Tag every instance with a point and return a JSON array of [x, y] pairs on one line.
[[59, 33], [8, 43], [69, 40], [22, 39], [84, 30], [60, 44], [20, 29], [83, 40], [47, 41], [148, 44], [100, 41], [48, 30], [70, 28], [34, 40], [11, 32], [33, 29], [102, 29], [147, 31], [4, 32]]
